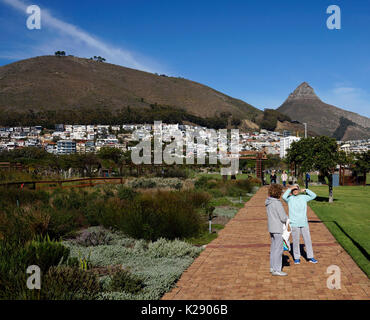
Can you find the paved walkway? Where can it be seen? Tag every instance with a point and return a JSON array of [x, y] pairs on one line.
[[236, 264]]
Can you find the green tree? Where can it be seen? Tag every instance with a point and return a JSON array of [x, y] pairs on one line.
[[98, 59], [60, 53], [108, 153], [362, 163], [316, 153]]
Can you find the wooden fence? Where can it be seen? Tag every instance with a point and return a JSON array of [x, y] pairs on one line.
[[11, 165], [71, 183]]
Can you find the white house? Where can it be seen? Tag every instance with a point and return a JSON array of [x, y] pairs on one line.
[[285, 145]]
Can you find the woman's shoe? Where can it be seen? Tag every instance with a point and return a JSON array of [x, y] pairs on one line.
[[279, 273], [297, 261], [312, 260]]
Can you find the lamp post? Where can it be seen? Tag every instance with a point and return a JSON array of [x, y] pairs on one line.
[[209, 211], [305, 135], [305, 130]]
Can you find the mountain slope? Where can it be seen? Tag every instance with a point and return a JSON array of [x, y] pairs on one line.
[[54, 83], [305, 106]]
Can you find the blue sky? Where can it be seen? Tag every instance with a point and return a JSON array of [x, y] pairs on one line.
[[258, 51]]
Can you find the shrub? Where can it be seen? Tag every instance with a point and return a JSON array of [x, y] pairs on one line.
[[44, 253], [93, 238], [65, 222], [126, 193], [255, 181], [123, 280], [244, 184], [143, 183], [149, 183], [69, 283], [25, 196], [15, 259], [158, 273], [23, 224], [197, 198], [70, 199], [106, 192], [217, 193], [72, 262], [162, 214], [164, 248], [202, 182], [228, 212], [108, 213], [95, 211], [173, 173]]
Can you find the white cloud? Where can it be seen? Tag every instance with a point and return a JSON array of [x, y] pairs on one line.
[[78, 41], [349, 98]]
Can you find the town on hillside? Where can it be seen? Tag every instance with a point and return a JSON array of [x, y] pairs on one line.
[[69, 139]]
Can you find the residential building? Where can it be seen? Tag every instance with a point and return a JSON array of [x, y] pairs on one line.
[[285, 145], [66, 147]]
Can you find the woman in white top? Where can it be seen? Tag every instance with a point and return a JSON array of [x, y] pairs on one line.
[[284, 178]]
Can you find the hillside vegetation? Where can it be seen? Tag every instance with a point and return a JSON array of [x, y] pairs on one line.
[[60, 84]]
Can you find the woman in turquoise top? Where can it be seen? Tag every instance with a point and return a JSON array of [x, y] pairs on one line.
[[297, 204]]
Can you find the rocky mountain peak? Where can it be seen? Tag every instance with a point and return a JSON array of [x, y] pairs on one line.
[[303, 91]]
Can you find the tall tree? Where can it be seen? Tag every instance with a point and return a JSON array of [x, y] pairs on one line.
[[316, 153], [109, 153], [362, 163]]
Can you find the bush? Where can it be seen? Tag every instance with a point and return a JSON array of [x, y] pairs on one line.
[[69, 283], [199, 199], [23, 225], [164, 248], [94, 238], [44, 253], [70, 199], [95, 211], [158, 273], [228, 212], [123, 280], [149, 183], [65, 222], [161, 214], [173, 172], [143, 183], [219, 188], [255, 181], [244, 184], [25, 196], [15, 258], [126, 193], [216, 193], [108, 213], [202, 182]]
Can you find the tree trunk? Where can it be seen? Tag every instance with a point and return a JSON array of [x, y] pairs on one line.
[[365, 175], [330, 183]]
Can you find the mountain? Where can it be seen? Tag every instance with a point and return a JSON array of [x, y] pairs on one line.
[[71, 83], [305, 106]]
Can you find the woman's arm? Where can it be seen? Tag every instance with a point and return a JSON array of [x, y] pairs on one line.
[[282, 215], [286, 195], [310, 195]]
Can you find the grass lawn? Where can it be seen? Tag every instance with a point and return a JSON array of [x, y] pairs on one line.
[[348, 219], [206, 237], [217, 175]]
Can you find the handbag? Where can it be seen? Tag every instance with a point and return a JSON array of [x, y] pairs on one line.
[[286, 236]]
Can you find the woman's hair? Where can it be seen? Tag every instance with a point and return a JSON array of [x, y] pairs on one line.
[[275, 191]]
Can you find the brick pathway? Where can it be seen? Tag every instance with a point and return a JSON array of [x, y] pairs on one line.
[[236, 264]]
